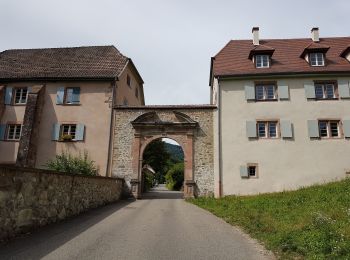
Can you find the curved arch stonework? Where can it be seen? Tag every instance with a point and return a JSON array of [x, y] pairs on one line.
[[191, 127]]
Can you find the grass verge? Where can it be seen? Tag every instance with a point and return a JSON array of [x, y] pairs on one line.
[[309, 223]]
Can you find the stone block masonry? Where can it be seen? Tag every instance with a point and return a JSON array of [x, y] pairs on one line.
[[31, 198]]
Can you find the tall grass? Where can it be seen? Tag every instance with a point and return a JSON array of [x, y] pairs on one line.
[[310, 223]]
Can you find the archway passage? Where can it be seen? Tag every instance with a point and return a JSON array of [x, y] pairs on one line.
[[162, 166], [148, 128], [190, 126]]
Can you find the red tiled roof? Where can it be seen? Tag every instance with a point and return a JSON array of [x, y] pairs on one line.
[[233, 59], [93, 62]]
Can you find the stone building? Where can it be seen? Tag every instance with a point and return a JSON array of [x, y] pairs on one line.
[[283, 116], [61, 99]]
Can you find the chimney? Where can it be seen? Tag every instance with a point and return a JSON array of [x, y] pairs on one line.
[[315, 35], [255, 32]]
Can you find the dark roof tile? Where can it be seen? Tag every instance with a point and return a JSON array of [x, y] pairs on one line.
[[93, 62]]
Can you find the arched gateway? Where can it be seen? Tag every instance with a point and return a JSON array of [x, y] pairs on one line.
[[190, 126]]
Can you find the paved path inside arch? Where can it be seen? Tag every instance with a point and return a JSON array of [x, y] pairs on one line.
[[160, 226]]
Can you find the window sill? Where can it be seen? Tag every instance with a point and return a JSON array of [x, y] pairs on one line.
[[266, 100], [11, 141], [69, 104]]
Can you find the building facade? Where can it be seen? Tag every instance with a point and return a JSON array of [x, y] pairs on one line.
[[283, 118], [61, 100]]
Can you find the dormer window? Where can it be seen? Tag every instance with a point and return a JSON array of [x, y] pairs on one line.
[[262, 61], [316, 59]]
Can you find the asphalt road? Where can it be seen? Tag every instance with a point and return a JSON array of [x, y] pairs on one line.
[[160, 226]]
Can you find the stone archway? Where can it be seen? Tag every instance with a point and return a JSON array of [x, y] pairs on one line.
[[190, 126], [149, 127]]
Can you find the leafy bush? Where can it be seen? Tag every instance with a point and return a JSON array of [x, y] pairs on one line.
[[80, 164], [175, 177]]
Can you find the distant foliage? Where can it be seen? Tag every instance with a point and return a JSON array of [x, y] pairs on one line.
[[175, 177], [80, 164], [175, 152]]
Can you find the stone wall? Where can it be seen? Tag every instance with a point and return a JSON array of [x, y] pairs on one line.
[[203, 157], [30, 198]]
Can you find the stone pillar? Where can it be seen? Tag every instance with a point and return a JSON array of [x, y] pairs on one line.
[[2, 101], [28, 143], [189, 183], [136, 180]]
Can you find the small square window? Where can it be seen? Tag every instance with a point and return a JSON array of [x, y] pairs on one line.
[[252, 170], [262, 61], [20, 96], [325, 90], [267, 129], [265, 92], [329, 128], [68, 132], [316, 59], [14, 132], [72, 95]]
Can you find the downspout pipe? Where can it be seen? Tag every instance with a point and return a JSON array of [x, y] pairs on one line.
[[111, 131], [220, 140]]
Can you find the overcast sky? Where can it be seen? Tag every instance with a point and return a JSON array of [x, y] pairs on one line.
[[170, 42]]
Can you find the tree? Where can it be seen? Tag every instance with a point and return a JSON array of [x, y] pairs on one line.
[[175, 177], [157, 157]]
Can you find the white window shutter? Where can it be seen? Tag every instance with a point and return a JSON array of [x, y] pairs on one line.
[[286, 129], [249, 89], [29, 90], [79, 135], [283, 90], [56, 132], [309, 90], [8, 95], [251, 129], [243, 169], [2, 132], [60, 95], [312, 126], [343, 88], [346, 128]]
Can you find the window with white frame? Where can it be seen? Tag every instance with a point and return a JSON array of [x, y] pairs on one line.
[[267, 129], [265, 92], [329, 128], [316, 59], [72, 95], [20, 95], [14, 132], [325, 90], [262, 61], [68, 132], [252, 170]]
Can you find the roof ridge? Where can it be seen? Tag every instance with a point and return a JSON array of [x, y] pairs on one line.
[[60, 48], [289, 39]]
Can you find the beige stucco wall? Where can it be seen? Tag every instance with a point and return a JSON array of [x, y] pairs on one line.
[[283, 164], [124, 91], [94, 111]]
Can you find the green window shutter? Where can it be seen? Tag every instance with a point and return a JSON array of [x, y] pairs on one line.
[[283, 90], [79, 135], [56, 132], [312, 126], [346, 128], [243, 169], [286, 129], [60, 95], [76, 96], [8, 95], [251, 129], [343, 88], [249, 89], [309, 90], [2, 132]]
